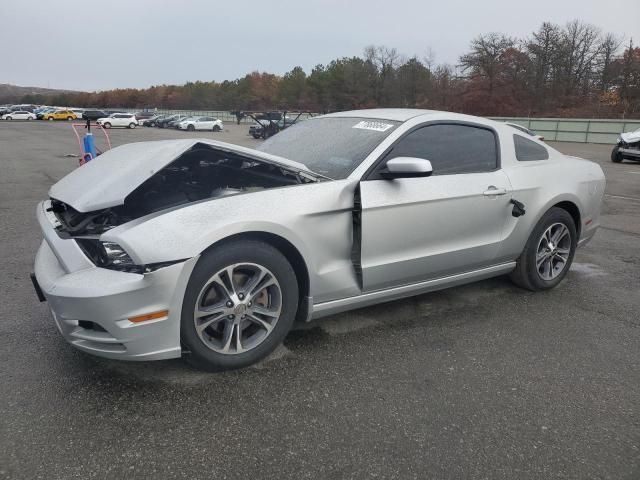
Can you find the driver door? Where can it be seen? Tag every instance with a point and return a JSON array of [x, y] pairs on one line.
[[416, 229]]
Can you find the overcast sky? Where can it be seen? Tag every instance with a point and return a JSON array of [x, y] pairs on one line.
[[139, 43]]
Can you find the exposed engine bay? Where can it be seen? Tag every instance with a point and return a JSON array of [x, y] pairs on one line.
[[201, 173]]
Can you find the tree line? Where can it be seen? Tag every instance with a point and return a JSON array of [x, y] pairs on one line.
[[574, 70]]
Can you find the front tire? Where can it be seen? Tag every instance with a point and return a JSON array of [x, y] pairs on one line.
[[69, 119], [240, 303], [107, 125], [616, 156], [8, 118], [50, 119], [548, 254], [191, 128], [216, 128], [132, 125]]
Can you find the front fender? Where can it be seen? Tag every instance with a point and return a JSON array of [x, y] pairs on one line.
[[315, 218]]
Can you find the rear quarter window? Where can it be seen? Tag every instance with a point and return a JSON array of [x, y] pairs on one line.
[[528, 150]]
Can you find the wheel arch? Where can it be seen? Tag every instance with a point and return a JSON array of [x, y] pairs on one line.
[[292, 254], [572, 209]]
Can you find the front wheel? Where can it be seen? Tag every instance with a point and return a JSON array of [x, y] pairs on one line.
[[216, 128], [29, 118], [616, 156], [132, 125], [8, 118], [548, 254], [69, 119], [50, 119], [107, 125], [240, 303], [191, 128]]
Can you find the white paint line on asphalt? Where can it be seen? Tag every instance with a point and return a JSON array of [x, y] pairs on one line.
[[630, 171], [624, 198]]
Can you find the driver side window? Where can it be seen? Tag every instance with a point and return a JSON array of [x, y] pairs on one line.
[[451, 148]]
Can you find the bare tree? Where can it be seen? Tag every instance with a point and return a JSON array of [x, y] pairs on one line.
[[485, 56]]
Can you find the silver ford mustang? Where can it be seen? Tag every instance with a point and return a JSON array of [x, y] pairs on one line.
[[156, 249]]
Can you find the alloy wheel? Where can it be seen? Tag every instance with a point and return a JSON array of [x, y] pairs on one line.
[[238, 308], [554, 249]]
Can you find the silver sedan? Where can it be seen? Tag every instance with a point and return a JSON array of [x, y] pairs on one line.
[[209, 250]]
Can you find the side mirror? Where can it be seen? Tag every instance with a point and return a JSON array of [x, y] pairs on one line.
[[407, 167]]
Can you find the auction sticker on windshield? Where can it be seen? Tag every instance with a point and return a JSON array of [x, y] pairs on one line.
[[373, 125]]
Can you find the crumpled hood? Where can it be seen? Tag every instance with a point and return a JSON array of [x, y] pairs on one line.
[[107, 180], [631, 137]]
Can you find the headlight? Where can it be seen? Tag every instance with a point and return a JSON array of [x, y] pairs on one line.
[[116, 256], [108, 255], [112, 256]]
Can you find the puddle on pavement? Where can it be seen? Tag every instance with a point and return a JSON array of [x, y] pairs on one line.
[[587, 269]]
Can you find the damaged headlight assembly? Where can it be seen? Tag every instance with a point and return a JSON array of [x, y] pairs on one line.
[[112, 256]]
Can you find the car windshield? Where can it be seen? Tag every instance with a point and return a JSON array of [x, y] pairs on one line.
[[331, 146]]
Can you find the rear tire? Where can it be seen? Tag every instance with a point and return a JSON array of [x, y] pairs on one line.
[[132, 125], [69, 119], [216, 128], [50, 119], [8, 118], [233, 337], [616, 156], [543, 264]]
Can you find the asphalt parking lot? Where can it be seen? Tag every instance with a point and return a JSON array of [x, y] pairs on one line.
[[480, 381]]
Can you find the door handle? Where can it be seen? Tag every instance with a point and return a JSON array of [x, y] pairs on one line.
[[492, 191]]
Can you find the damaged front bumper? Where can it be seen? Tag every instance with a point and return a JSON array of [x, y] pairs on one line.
[[91, 306]]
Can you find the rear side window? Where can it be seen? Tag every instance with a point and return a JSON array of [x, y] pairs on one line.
[[451, 148], [528, 150]]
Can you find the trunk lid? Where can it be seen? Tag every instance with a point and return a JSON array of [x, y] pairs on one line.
[[107, 180]]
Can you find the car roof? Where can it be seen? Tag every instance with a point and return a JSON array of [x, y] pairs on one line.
[[397, 114]]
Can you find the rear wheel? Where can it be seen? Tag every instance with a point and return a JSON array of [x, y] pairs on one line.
[[239, 305], [50, 119], [69, 119], [616, 156], [29, 118], [216, 128], [548, 253], [132, 125], [8, 118]]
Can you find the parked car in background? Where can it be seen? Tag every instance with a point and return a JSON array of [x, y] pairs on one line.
[[192, 245], [627, 147], [25, 107], [78, 111], [142, 116], [94, 114], [60, 115], [19, 115], [174, 123], [127, 120], [525, 130], [151, 122], [201, 123], [163, 121], [263, 128], [42, 112]]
